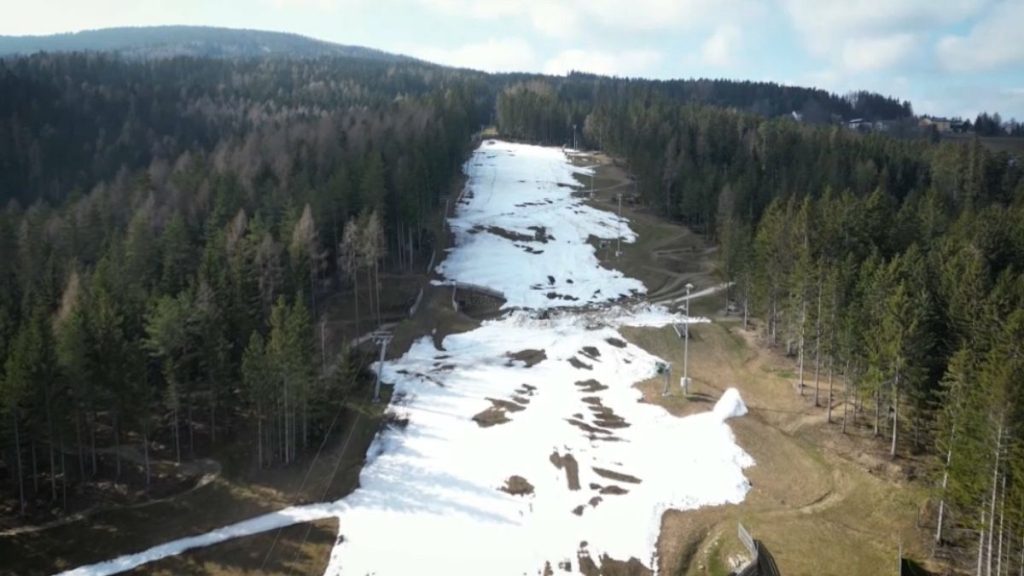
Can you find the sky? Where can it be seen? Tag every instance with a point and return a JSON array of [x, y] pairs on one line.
[[948, 57]]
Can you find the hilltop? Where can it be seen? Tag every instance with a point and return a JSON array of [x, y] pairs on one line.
[[196, 41]]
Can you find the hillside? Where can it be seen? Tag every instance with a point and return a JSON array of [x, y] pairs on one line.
[[196, 41]]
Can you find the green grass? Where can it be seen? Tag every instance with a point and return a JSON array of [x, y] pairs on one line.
[[716, 565]]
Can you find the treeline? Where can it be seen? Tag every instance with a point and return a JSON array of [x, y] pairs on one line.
[[170, 230], [547, 109], [891, 270], [993, 125]]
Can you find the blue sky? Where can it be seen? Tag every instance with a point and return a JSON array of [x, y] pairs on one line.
[[949, 57]]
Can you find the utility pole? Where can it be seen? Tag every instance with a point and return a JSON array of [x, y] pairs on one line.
[[686, 342], [323, 350], [618, 250], [382, 341]]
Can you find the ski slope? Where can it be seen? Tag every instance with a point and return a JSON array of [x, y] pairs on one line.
[[524, 443]]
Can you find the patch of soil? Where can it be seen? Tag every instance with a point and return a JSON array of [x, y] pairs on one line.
[[591, 352], [496, 413], [580, 365], [528, 356], [572, 469], [557, 296], [605, 417], [540, 234], [593, 432], [617, 476], [591, 385], [578, 510], [517, 486], [616, 342], [490, 417], [613, 490], [507, 234]]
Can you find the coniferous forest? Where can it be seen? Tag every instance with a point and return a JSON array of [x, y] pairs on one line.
[[170, 228], [891, 270]]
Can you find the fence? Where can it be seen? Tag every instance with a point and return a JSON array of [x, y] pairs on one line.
[[762, 563]]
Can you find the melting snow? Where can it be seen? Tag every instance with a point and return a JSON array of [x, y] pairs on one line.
[[603, 465], [519, 230]]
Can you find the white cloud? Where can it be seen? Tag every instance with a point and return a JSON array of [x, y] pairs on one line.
[[966, 101], [827, 24], [877, 53], [720, 48], [994, 42], [569, 18], [555, 20], [627, 63], [494, 55], [654, 14]]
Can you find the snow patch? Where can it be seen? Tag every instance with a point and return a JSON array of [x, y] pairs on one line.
[[730, 405]]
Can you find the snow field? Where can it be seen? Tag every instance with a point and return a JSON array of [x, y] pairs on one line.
[[432, 494], [546, 260]]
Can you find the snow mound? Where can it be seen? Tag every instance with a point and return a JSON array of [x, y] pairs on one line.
[[730, 405]]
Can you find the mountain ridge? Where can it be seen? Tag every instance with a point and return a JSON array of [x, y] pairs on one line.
[[199, 41]]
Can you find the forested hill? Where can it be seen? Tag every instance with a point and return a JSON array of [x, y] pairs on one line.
[[205, 41], [169, 228], [546, 109], [71, 121]]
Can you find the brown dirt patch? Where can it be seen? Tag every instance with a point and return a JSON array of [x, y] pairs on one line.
[[528, 356], [490, 417], [579, 364], [571, 467], [591, 385], [593, 433], [604, 416], [517, 486], [617, 476], [497, 413]]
